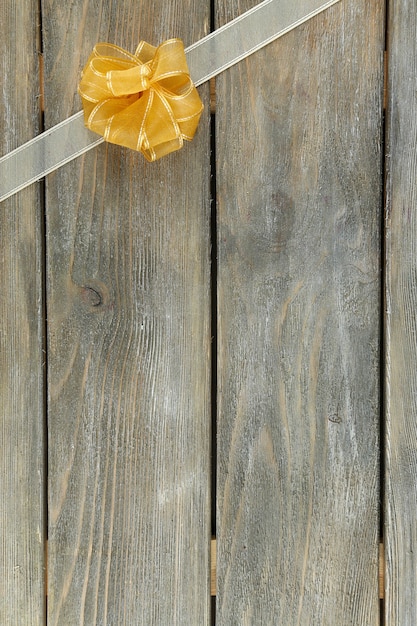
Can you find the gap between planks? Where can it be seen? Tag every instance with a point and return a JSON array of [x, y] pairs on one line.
[[213, 569], [213, 566], [213, 95], [381, 571]]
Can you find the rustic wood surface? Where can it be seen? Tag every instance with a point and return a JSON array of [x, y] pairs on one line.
[[129, 348], [22, 596], [299, 178], [401, 319], [299, 199]]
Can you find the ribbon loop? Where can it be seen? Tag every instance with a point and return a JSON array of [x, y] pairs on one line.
[[146, 101]]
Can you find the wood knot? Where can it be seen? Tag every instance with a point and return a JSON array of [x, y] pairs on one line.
[[91, 296], [335, 419]]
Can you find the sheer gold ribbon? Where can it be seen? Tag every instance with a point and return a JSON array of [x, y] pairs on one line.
[[146, 101]]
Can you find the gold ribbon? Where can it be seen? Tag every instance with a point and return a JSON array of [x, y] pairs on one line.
[[146, 101]]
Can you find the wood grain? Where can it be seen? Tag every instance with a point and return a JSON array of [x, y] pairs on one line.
[[129, 349], [401, 320], [299, 200], [22, 596]]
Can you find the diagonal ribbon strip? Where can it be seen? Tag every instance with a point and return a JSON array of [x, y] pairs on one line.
[[210, 56]]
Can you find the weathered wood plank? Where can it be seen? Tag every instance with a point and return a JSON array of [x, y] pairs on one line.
[[129, 344], [401, 319], [22, 596], [299, 200]]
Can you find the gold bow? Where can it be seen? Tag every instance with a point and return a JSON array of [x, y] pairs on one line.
[[146, 101]]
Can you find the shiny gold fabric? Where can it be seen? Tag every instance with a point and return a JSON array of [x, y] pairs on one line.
[[144, 101]]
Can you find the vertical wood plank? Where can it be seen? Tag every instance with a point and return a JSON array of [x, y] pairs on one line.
[[129, 344], [401, 319], [22, 595], [299, 201]]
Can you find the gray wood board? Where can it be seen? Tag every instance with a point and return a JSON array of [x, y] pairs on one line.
[[22, 597], [299, 129], [129, 349], [401, 319]]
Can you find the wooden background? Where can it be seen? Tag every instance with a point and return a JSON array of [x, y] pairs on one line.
[[222, 343]]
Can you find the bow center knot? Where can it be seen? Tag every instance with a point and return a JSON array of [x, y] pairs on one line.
[[129, 81], [145, 74]]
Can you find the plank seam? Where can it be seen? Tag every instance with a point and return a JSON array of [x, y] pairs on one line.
[[384, 171], [42, 200], [213, 567], [381, 568]]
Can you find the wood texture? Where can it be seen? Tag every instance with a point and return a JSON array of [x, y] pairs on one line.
[[299, 200], [401, 319], [22, 595], [129, 348]]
